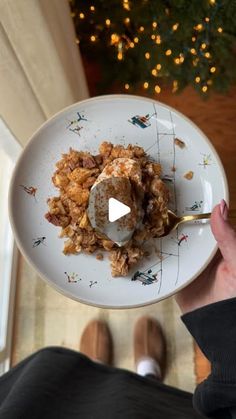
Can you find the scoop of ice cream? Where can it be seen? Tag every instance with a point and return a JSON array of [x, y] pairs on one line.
[[122, 167]]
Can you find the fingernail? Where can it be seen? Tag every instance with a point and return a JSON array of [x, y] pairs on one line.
[[224, 209]]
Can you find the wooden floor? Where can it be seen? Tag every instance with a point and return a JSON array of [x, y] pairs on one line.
[[216, 117]]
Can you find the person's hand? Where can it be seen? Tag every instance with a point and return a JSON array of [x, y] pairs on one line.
[[218, 281]]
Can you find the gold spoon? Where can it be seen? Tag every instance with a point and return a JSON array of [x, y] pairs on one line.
[[174, 221]]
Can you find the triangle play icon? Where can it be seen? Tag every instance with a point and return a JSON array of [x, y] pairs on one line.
[[116, 209]]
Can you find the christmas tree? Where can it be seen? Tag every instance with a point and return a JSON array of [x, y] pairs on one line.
[[149, 43]]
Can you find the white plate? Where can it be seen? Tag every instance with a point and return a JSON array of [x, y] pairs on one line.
[[118, 118]]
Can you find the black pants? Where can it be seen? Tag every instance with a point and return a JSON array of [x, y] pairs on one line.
[[63, 384]]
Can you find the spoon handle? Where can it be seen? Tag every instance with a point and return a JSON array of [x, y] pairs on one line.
[[231, 214]]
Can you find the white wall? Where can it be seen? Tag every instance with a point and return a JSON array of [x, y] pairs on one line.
[[40, 66]]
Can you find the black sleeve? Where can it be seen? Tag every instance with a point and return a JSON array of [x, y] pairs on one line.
[[214, 329]]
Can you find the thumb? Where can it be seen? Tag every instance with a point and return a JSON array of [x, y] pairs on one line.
[[224, 233]]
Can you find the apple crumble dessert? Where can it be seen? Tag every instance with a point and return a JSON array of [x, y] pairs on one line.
[[74, 177]]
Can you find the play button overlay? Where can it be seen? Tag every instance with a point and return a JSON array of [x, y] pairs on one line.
[[116, 209]]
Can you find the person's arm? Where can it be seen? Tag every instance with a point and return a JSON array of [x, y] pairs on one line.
[[209, 307], [214, 329], [233, 412]]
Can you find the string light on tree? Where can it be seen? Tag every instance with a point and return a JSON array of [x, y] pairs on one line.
[[177, 61], [115, 39], [198, 27], [175, 26], [175, 86], [126, 5], [205, 54], [157, 89]]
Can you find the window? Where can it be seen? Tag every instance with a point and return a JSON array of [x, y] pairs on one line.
[[9, 151]]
